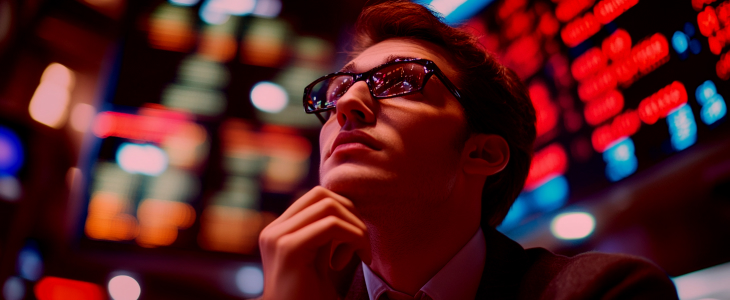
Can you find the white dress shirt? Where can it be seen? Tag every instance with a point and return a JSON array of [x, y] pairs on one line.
[[458, 279]]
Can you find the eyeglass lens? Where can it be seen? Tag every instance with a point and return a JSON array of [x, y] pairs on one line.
[[389, 81]]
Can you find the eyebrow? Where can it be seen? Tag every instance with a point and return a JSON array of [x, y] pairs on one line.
[[351, 67]]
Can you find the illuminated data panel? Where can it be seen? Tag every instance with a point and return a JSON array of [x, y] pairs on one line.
[[618, 87], [202, 142]]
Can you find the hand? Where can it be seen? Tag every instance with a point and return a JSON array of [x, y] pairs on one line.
[[318, 233]]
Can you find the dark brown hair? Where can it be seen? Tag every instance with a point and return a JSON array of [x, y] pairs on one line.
[[494, 99]]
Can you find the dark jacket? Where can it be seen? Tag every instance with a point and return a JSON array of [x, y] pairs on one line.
[[511, 272]]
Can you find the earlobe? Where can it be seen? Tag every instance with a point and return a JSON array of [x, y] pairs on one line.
[[485, 154]]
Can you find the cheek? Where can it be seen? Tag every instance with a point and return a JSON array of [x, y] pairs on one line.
[[326, 135]]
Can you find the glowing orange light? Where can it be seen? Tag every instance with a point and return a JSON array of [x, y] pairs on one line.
[[623, 125], [588, 64], [597, 85], [723, 66], [231, 229], [617, 45], [171, 35], [580, 30], [659, 104], [160, 220], [568, 9], [650, 53], [218, 47], [608, 10], [108, 220], [55, 288], [50, 100], [707, 21], [547, 163], [604, 108]]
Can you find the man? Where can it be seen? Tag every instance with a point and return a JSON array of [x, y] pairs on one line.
[[426, 142]]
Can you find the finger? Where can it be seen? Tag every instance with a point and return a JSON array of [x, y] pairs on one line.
[[314, 195], [323, 208], [318, 234]]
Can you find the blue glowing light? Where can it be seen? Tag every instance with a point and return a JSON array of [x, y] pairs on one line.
[[689, 29], [456, 11], [11, 152], [184, 2], [705, 91], [694, 46], [682, 127], [680, 42], [552, 195], [516, 213], [620, 160], [30, 264], [713, 110], [621, 151]]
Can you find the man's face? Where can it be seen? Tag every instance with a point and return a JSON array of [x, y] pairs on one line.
[[374, 151]]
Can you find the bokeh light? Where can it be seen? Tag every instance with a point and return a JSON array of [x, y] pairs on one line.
[[269, 97], [141, 159], [82, 115], [13, 288], [573, 225], [682, 127], [30, 263], [10, 188], [50, 100], [680, 43], [124, 287], [250, 281], [56, 288], [11, 151]]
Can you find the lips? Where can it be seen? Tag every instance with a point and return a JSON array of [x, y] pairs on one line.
[[355, 137]]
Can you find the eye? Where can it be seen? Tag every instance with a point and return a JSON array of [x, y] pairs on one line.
[[398, 79]]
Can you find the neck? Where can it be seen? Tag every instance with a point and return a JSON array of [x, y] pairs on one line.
[[410, 248]]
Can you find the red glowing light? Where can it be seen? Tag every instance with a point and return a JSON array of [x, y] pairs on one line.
[[623, 125], [547, 163], [55, 288], [698, 4], [597, 85], [546, 111], [602, 109], [150, 125], [509, 7], [715, 44], [650, 53], [659, 104], [548, 25], [518, 24], [707, 21], [588, 64], [625, 71], [580, 30], [723, 66], [568, 9], [723, 13], [608, 10], [617, 45]]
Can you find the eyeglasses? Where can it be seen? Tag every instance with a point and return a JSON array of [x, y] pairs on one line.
[[397, 78]]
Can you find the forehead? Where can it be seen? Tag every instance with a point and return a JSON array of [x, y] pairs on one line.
[[401, 47]]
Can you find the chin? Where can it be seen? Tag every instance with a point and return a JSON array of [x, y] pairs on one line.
[[356, 182]]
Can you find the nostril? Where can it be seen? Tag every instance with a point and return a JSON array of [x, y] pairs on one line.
[[359, 114]]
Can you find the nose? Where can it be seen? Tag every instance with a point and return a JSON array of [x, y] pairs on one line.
[[356, 106]]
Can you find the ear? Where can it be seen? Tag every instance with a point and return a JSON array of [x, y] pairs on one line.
[[485, 154]]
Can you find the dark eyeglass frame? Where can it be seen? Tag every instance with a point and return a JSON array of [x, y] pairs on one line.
[[431, 69]]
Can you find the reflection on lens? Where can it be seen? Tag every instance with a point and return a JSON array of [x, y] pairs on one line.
[[325, 93], [398, 79]]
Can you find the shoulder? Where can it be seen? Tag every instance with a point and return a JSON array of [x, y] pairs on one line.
[[594, 275]]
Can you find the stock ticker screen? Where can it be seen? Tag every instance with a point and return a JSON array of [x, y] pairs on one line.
[[202, 140]]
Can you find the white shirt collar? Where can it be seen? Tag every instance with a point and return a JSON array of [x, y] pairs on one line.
[[458, 279]]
